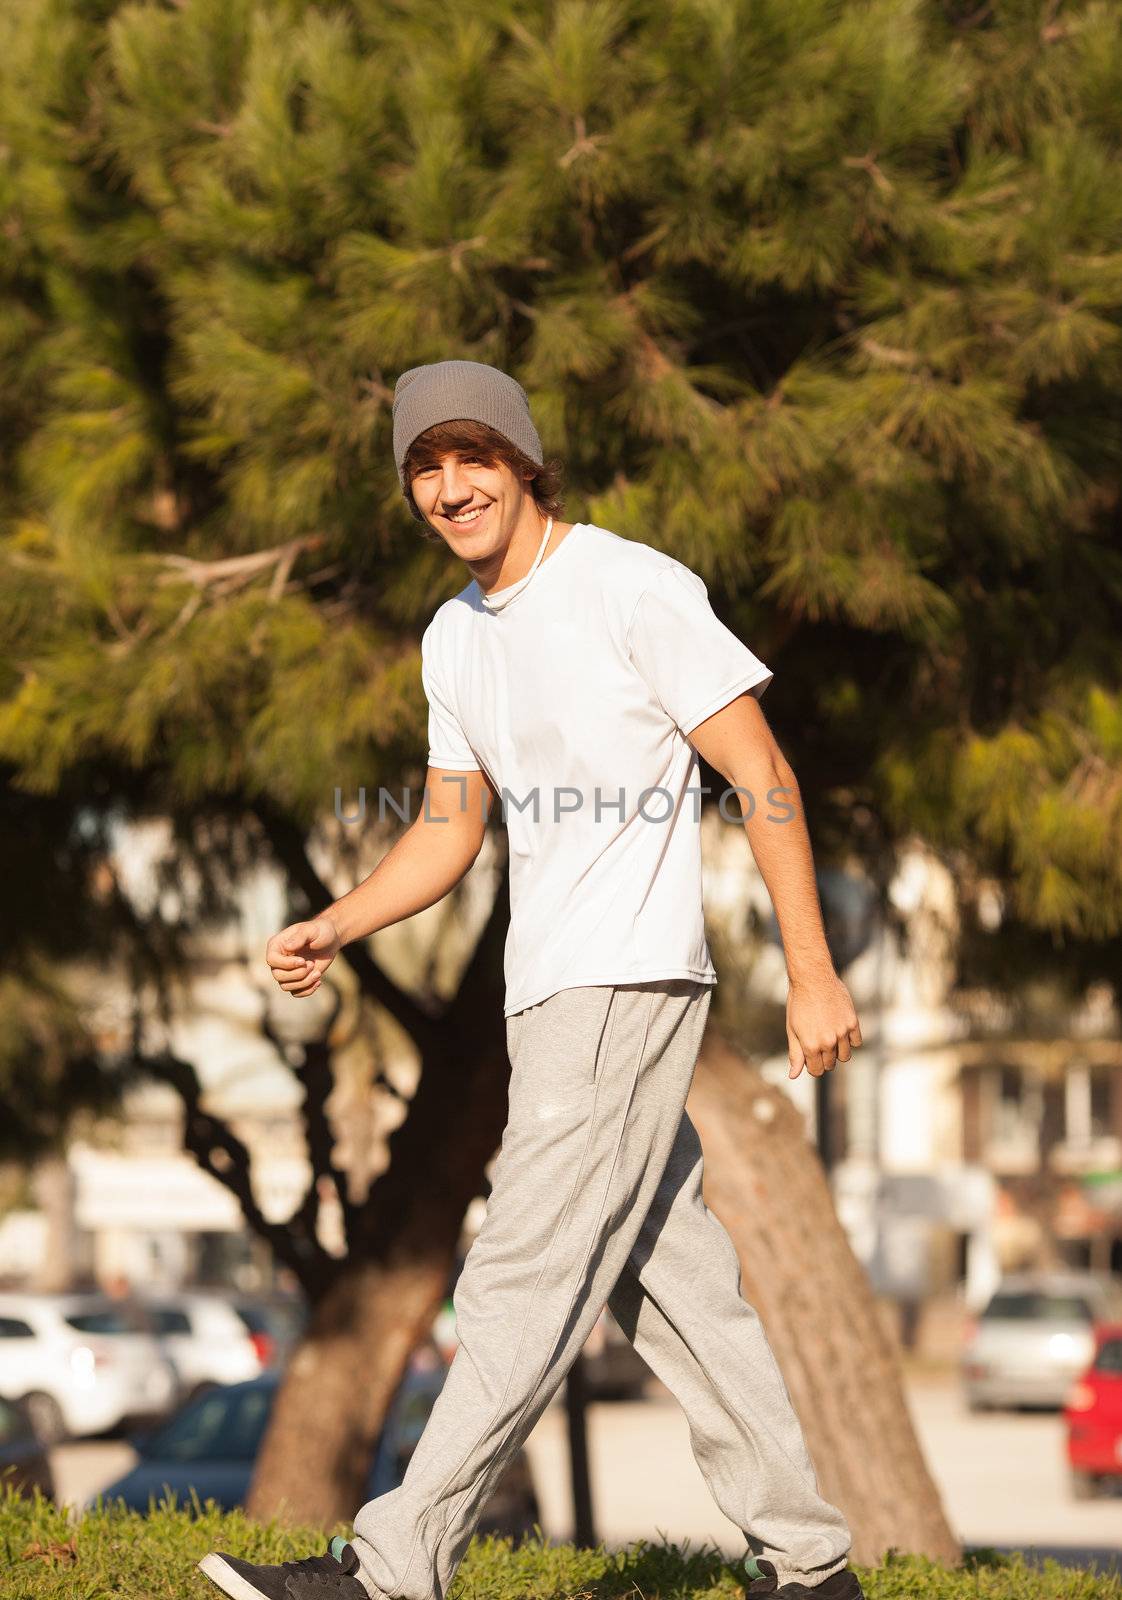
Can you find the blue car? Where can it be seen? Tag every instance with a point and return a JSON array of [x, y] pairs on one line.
[[209, 1447]]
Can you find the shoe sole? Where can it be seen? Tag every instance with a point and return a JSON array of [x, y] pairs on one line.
[[802, 1591], [229, 1581]]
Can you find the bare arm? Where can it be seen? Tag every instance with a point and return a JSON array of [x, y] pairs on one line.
[[429, 859], [737, 741]]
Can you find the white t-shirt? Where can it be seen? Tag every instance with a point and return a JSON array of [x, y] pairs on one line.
[[566, 688]]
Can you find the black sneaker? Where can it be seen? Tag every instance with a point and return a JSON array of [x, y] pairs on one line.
[[841, 1585], [331, 1574]]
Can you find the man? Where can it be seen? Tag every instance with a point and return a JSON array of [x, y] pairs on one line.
[[581, 674]]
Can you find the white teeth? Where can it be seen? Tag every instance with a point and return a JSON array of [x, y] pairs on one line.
[[469, 516]]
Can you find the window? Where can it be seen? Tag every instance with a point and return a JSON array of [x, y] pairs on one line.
[[278, 1320], [1109, 1358], [1009, 1108], [1102, 1108], [111, 1320], [224, 1425], [1035, 1306], [168, 1319], [1009, 1083], [1016, 1114]]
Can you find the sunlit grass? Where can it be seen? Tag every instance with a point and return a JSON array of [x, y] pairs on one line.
[[49, 1554]]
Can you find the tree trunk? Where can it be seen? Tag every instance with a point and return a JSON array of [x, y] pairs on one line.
[[317, 1453], [55, 1192], [765, 1183], [372, 1309]]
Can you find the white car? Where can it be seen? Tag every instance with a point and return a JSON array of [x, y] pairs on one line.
[[206, 1338], [1036, 1337], [81, 1363]]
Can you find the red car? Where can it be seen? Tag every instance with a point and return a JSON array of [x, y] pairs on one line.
[[1093, 1414]]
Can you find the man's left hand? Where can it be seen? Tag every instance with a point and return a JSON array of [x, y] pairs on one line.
[[822, 1026]]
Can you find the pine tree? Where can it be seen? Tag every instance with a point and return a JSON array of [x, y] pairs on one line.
[[821, 297]]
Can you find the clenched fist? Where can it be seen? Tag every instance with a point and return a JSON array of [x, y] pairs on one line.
[[822, 1026], [299, 955]]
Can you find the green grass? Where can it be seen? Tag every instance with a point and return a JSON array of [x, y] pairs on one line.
[[48, 1556]]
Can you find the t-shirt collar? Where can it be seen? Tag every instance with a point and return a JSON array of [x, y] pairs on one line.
[[499, 599]]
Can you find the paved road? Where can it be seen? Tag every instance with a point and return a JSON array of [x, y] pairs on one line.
[[1002, 1476], [85, 1467]]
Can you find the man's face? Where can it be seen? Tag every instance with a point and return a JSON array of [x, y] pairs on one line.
[[473, 507]]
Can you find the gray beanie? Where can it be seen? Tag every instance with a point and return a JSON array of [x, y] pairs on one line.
[[446, 391]]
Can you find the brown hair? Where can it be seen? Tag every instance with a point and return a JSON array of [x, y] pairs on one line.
[[467, 437]]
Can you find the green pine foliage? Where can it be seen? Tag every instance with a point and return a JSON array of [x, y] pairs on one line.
[[108, 1551], [822, 296]]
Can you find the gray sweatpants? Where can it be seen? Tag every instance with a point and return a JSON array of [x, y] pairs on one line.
[[596, 1199]]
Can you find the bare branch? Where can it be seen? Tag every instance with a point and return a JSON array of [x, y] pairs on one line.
[[232, 571], [316, 1075], [419, 1021], [220, 1152]]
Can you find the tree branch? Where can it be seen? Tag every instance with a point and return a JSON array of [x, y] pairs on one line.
[[316, 1075], [205, 1135], [232, 571], [418, 1020]]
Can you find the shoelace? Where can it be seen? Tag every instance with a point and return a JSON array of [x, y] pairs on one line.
[[310, 1566], [338, 1559]]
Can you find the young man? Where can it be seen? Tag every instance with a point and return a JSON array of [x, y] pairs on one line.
[[580, 673]]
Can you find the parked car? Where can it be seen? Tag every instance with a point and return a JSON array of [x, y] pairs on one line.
[[1093, 1415], [210, 1445], [275, 1323], [81, 1363], [208, 1340], [1035, 1337], [23, 1455]]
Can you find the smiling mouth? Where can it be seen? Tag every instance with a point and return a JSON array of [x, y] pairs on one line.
[[464, 519]]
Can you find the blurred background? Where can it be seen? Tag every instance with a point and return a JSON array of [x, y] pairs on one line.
[[825, 301]]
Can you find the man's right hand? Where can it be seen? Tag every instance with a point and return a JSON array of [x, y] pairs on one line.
[[300, 954]]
